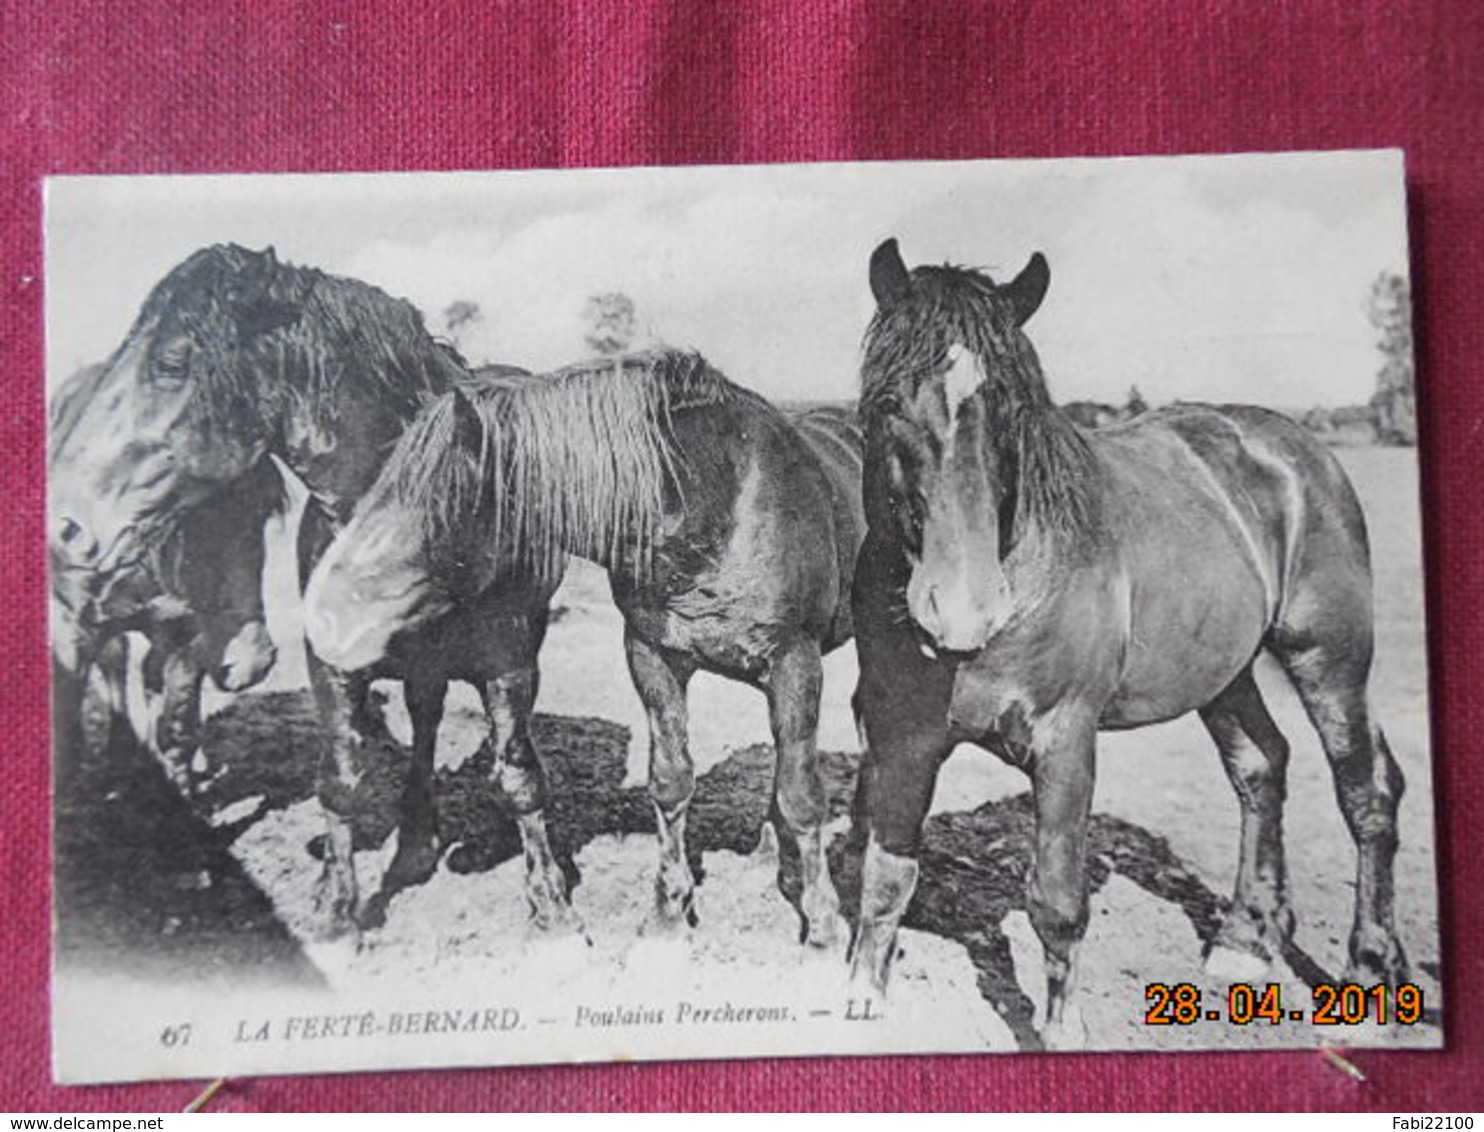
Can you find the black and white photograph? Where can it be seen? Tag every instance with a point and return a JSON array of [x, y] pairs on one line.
[[678, 613]]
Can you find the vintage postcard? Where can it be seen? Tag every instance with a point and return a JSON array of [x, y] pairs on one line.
[[736, 612]]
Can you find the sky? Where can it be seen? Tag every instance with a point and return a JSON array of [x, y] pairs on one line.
[[1233, 278]]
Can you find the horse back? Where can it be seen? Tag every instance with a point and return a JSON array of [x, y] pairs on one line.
[[1271, 470]]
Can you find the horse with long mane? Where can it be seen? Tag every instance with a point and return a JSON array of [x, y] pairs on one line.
[[728, 530], [1025, 584], [197, 599], [235, 357]]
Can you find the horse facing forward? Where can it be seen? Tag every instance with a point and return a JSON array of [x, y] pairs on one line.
[[729, 533], [1025, 584]]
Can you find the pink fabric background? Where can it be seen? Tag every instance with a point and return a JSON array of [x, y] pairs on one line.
[[130, 87]]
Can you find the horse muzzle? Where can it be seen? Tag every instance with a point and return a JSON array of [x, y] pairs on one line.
[[352, 630], [344, 639], [955, 619]]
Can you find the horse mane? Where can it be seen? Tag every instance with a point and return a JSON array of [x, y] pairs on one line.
[[330, 331], [1056, 470], [575, 461]]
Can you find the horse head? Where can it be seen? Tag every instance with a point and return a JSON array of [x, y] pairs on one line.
[[412, 549], [948, 378], [175, 414]]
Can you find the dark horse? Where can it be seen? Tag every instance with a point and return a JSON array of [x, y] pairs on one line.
[[728, 530], [1025, 584], [197, 599], [235, 357]]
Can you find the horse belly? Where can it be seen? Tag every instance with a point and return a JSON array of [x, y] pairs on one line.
[[1185, 645]]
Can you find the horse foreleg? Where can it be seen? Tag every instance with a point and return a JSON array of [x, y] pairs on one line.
[[178, 728], [793, 686], [1062, 775], [661, 678], [509, 700], [339, 697], [899, 771], [341, 700], [1255, 756], [902, 703], [417, 831]]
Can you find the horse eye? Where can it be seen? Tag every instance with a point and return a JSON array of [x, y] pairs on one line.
[[172, 360]]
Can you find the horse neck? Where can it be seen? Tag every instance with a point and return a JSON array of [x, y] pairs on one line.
[[338, 421], [1058, 505], [338, 451]]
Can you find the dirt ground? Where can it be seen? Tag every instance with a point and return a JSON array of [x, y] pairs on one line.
[[151, 885]]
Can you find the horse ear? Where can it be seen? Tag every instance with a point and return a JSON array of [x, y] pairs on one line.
[[1028, 288], [890, 280], [254, 277]]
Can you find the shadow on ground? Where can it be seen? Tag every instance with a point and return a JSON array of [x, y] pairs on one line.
[[145, 887], [134, 853]]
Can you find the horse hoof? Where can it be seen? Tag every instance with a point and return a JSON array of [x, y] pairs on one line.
[[372, 915], [661, 924], [1067, 1033], [554, 917], [336, 924], [1384, 962], [674, 909], [412, 867], [827, 932], [335, 903], [1231, 965], [765, 855]]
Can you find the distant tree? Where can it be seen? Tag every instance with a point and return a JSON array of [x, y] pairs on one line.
[[1389, 306], [458, 317], [1134, 404], [1318, 419], [611, 323]]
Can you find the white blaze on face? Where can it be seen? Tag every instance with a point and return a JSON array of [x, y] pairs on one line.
[[964, 377]]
